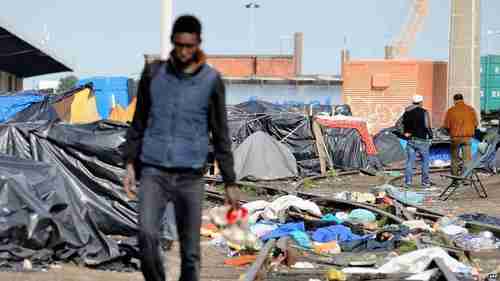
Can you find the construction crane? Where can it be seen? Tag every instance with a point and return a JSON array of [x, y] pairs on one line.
[[401, 45]]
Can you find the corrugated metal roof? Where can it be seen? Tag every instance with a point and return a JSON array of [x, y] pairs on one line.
[[24, 58]]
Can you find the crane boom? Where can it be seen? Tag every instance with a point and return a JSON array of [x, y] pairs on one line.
[[406, 39]]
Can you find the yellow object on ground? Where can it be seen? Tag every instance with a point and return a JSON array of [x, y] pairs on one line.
[[335, 275]]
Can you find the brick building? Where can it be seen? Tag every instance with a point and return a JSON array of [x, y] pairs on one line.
[[278, 66]]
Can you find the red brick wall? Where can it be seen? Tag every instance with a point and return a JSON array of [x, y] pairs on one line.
[[276, 67], [247, 66], [382, 107]]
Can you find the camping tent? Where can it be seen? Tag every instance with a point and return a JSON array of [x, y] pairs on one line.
[[292, 129], [75, 107], [346, 148], [260, 157], [12, 103], [389, 147]]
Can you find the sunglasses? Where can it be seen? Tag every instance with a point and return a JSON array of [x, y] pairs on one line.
[[182, 45]]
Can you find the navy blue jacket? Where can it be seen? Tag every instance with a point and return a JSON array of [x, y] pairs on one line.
[[174, 116]]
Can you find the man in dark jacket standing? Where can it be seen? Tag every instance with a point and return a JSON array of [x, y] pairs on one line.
[[417, 129], [180, 101]]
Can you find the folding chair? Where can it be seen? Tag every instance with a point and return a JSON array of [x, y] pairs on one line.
[[470, 174]]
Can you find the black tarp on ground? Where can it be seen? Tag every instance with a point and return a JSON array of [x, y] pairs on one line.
[[85, 170], [88, 155], [261, 157], [44, 217], [346, 148], [388, 147]]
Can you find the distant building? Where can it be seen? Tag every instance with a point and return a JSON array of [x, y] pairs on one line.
[[20, 58], [244, 66], [48, 85]]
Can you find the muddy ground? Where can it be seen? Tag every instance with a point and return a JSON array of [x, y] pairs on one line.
[[213, 268]]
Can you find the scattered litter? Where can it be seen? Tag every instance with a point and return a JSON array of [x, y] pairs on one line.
[[330, 248], [241, 260], [417, 224], [276, 210], [335, 275], [361, 216], [453, 230], [337, 233], [303, 265]]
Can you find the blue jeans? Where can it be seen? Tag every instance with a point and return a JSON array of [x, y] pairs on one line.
[[412, 148], [185, 191]]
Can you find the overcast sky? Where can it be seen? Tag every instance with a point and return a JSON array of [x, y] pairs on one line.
[[109, 37]]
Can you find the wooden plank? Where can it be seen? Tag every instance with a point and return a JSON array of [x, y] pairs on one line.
[[320, 146], [256, 267]]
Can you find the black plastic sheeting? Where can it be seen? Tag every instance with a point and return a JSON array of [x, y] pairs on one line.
[[346, 148], [389, 147], [61, 191], [44, 109], [292, 129]]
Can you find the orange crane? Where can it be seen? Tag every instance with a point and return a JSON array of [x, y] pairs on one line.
[[401, 46]]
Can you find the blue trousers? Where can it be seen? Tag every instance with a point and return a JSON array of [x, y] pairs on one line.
[[421, 147]]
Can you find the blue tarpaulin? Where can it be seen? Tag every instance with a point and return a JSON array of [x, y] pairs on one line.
[[13, 103], [106, 89], [442, 152]]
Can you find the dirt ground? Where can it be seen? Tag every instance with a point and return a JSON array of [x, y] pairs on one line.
[[464, 200], [213, 268]]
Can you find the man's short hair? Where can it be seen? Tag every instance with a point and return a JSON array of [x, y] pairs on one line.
[[186, 24], [458, 97]]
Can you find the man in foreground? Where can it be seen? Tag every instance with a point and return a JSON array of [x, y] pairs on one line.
[[180, 101]]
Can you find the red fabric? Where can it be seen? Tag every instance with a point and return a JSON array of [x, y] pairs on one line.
[[360, 126]]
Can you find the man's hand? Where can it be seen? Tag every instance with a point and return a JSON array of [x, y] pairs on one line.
[[129, 182], [232, 196]]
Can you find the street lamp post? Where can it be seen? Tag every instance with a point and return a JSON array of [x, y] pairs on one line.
[[252, 5]]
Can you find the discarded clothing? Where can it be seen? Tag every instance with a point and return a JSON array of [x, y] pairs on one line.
[[371, 245], [329, 248], [260, 229], [255, 206], [284, 230], [407, 197], [312, 225], [359, 197], [302, 239], [415, 262], [453, 230], [277, 209], [337, 233], [475, 243], [361, 216], [482, 218], [331, 217], [241, 260], [417, 224]]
